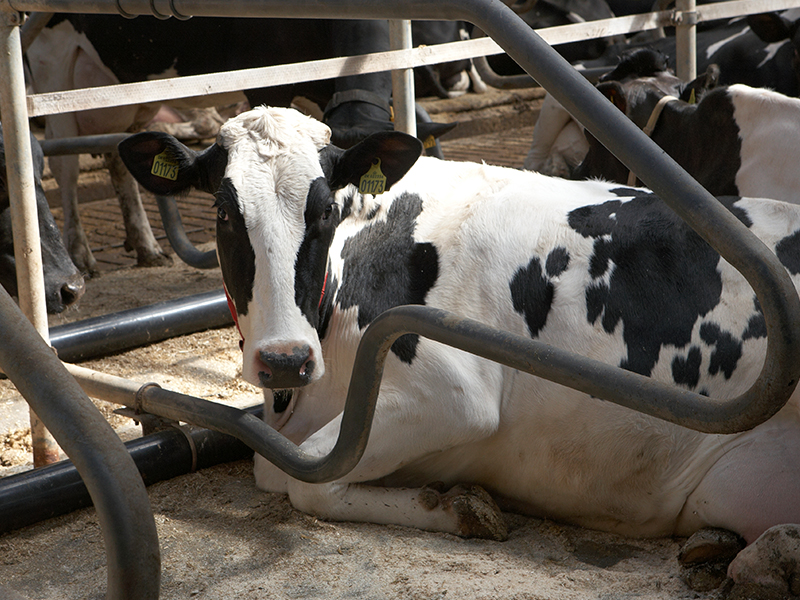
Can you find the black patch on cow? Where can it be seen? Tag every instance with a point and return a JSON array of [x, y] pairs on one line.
[[686, 371], [532, 291], [756, 325], [664, 276], [236, 257], [625, 192], [321, 218], [557, 262], [727, 351], [384, 267], [788, 252]]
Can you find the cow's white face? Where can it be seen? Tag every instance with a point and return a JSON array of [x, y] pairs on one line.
[[265, 215], [274, 175]]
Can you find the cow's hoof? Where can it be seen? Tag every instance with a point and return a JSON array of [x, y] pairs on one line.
[[84, 261], [705, 557], [153, 259], [477, 514], [769, 567]]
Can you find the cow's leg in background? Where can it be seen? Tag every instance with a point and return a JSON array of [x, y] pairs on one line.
[[65, 170], [138, 234]]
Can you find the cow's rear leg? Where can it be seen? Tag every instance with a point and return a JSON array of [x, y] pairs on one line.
[[466, 511], [752, 488], [138, 234], [65, 171], [769, 568]]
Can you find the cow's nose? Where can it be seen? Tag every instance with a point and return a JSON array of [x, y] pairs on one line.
[[72, 290], [280, 370]]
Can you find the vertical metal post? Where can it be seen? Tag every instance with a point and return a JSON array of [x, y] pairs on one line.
[[24, 217], [685, 39], [402, 79]]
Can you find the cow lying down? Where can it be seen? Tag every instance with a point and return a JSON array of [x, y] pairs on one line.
[[596, 268]]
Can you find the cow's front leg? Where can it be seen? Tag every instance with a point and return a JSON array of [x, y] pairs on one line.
[[464, 510], [65, 171], [138, 234]]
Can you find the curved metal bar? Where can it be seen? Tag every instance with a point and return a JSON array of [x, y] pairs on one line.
[[774, 289], [123, 508], [183, 246], [522, 353], [501, 82]]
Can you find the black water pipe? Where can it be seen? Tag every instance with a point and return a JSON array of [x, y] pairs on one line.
[[123, 509], [115, 332], [47, 492], [180, 242]]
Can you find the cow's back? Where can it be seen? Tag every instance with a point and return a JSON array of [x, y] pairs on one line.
[[587, 268]]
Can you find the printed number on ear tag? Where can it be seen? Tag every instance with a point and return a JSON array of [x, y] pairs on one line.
[[165, 167], [373, 181]]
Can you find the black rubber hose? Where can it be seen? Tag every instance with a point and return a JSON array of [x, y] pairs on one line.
[[47, 492], [180, 242], [115, 332]]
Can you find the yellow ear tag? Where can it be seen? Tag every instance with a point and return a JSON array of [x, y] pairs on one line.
[[164, 167], [373, 181], [429, 142], [692, 97]]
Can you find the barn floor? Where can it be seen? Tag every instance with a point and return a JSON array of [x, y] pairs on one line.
[[221, 538]]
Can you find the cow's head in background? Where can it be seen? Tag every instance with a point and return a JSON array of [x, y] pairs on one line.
[[275, 177], [62, 282]]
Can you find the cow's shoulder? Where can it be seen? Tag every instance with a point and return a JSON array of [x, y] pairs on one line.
[[379, 264]]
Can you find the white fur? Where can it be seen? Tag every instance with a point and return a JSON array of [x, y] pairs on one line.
[[454, 417]]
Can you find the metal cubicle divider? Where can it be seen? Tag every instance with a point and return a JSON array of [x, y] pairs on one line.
[[714, 223]]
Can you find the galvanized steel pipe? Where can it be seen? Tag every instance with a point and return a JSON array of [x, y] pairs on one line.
[[123, 508], [694, 204], [402, 79], [24, 215]]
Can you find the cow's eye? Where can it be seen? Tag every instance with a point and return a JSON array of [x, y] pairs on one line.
[[328, 212], [222, 214]]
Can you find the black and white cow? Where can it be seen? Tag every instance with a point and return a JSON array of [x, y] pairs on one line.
[[595, 268], [758, 50], [736, 140], [77, 51], [63, 284]]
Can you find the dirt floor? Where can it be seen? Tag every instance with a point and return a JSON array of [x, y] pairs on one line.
[[222, 539]]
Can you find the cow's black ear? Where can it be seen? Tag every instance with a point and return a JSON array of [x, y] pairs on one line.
[[614, 91], [695, 89], [769, 27], [378, 162], [164, 166]]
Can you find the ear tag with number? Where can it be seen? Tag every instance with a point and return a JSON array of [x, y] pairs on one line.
[[165, 167], [429, 142], [373, 181]]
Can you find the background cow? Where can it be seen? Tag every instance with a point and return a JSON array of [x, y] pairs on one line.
[[758, 51], [606, 271], [63, 284], [76, 51], [735, 140]]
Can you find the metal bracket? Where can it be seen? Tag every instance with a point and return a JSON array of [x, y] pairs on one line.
[[684, 17], [8, 16]]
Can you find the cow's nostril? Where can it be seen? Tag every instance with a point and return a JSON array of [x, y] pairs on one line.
[[72, 291]]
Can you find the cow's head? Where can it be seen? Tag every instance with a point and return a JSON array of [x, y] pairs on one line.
[[63, 283], [275, 177]]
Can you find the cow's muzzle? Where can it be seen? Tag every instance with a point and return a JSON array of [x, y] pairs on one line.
[[280, 371]]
